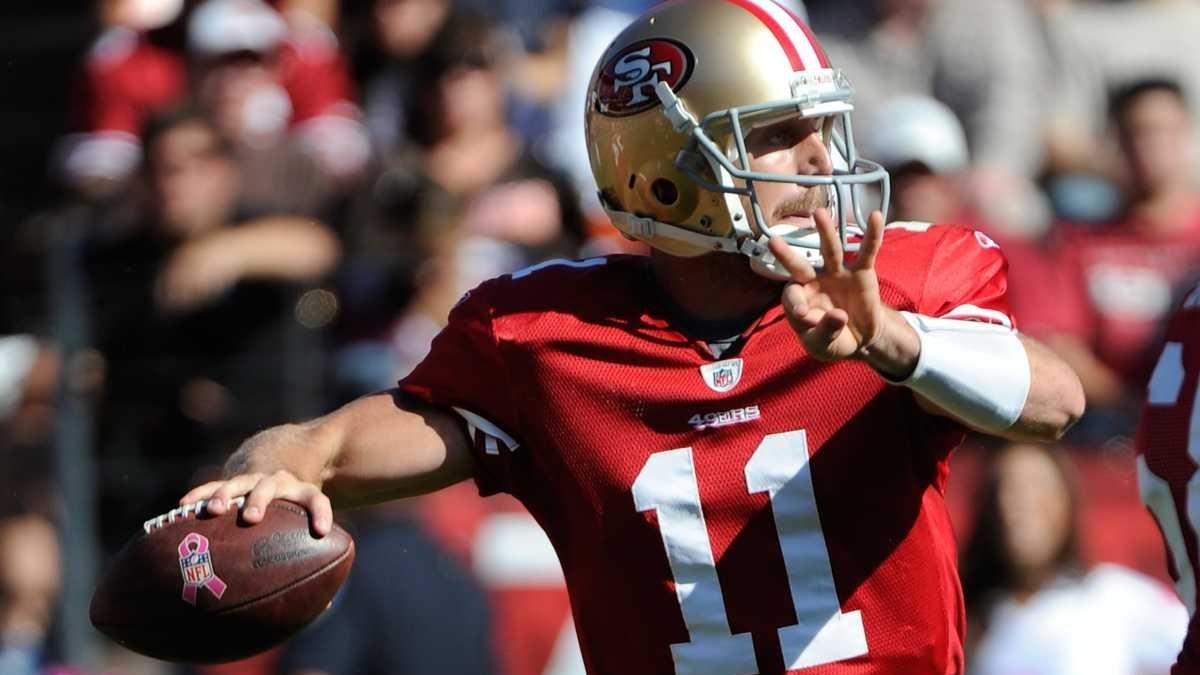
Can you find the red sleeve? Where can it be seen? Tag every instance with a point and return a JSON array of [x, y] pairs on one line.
[[466, 370], [967, 279]]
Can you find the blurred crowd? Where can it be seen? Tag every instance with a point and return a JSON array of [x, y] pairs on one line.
[[255, 210]]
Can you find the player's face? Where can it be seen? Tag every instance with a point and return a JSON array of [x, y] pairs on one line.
[[1035, 507], [794, 146]]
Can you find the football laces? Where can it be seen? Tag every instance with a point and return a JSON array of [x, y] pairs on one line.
[[185, 511]]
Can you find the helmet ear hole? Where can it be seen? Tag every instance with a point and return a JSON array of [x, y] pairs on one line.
[[664, 191]]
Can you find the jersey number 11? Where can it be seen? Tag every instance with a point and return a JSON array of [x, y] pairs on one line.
[[822, 634]]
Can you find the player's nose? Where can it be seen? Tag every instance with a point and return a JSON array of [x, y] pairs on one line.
[[811, 157]]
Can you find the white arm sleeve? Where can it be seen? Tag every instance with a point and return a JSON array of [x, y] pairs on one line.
[[977, 371]]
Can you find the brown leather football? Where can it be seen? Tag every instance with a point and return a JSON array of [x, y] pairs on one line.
[[199, 588]]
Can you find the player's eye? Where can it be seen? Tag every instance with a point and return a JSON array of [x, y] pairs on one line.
[[779, 139], [766, 140]]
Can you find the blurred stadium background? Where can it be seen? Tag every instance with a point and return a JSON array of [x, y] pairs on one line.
[[217, 215]]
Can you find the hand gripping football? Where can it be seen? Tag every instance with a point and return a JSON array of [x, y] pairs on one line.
[[200, 588]]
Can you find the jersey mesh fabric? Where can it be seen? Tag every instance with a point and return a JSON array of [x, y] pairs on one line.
[[1162, 439], [577, 364]]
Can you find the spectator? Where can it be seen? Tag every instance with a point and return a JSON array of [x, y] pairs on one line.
[[1119, 280], [473, 167], [1031, 609], [136, 70], [1152, 36], [404, 30], [924, 148], [466, 202], [128, 74], [922, 145], [190, 311], [239, 77], [983, 58], [28, 385], [29, 575], [29, 549]]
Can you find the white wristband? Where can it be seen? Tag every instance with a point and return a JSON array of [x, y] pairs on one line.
[[977, 371]]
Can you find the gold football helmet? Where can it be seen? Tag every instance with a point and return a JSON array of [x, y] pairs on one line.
[[670, 104]]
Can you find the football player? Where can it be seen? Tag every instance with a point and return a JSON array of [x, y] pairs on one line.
[[737, 445], [1168, 448]]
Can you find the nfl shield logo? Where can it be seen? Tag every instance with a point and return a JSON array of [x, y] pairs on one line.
[[722, 375], [196, 568], [195, 564]]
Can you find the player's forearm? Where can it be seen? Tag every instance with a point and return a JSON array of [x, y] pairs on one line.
[[388, 447], [985, 376], [1055, 401], [370, 450]]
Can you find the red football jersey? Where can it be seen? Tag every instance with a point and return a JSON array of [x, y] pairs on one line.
[[1168, 454], [764, 513]]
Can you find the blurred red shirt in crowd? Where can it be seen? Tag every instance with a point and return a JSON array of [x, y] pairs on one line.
[[1115, 285], [127, 77]]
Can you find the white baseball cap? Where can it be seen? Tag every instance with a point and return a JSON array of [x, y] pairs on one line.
[[918, 129], [226, 26]]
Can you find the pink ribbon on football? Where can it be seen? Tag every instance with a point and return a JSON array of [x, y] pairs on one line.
[[213, 583]]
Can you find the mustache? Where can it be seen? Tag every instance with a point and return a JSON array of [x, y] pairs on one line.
[[811, 200]]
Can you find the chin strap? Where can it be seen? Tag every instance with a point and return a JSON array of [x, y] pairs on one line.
[[762, 261], [649, 229]]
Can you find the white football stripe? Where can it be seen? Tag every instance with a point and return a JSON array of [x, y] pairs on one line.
[[491, 432]]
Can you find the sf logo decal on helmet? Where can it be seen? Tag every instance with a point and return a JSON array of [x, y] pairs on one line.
[[628, 80]]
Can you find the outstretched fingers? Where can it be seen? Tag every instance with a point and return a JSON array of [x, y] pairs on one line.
[[872, 240], [831, 240], [799, 269]]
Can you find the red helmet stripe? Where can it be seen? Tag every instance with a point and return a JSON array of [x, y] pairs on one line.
[[777, 19], [812, 38]]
